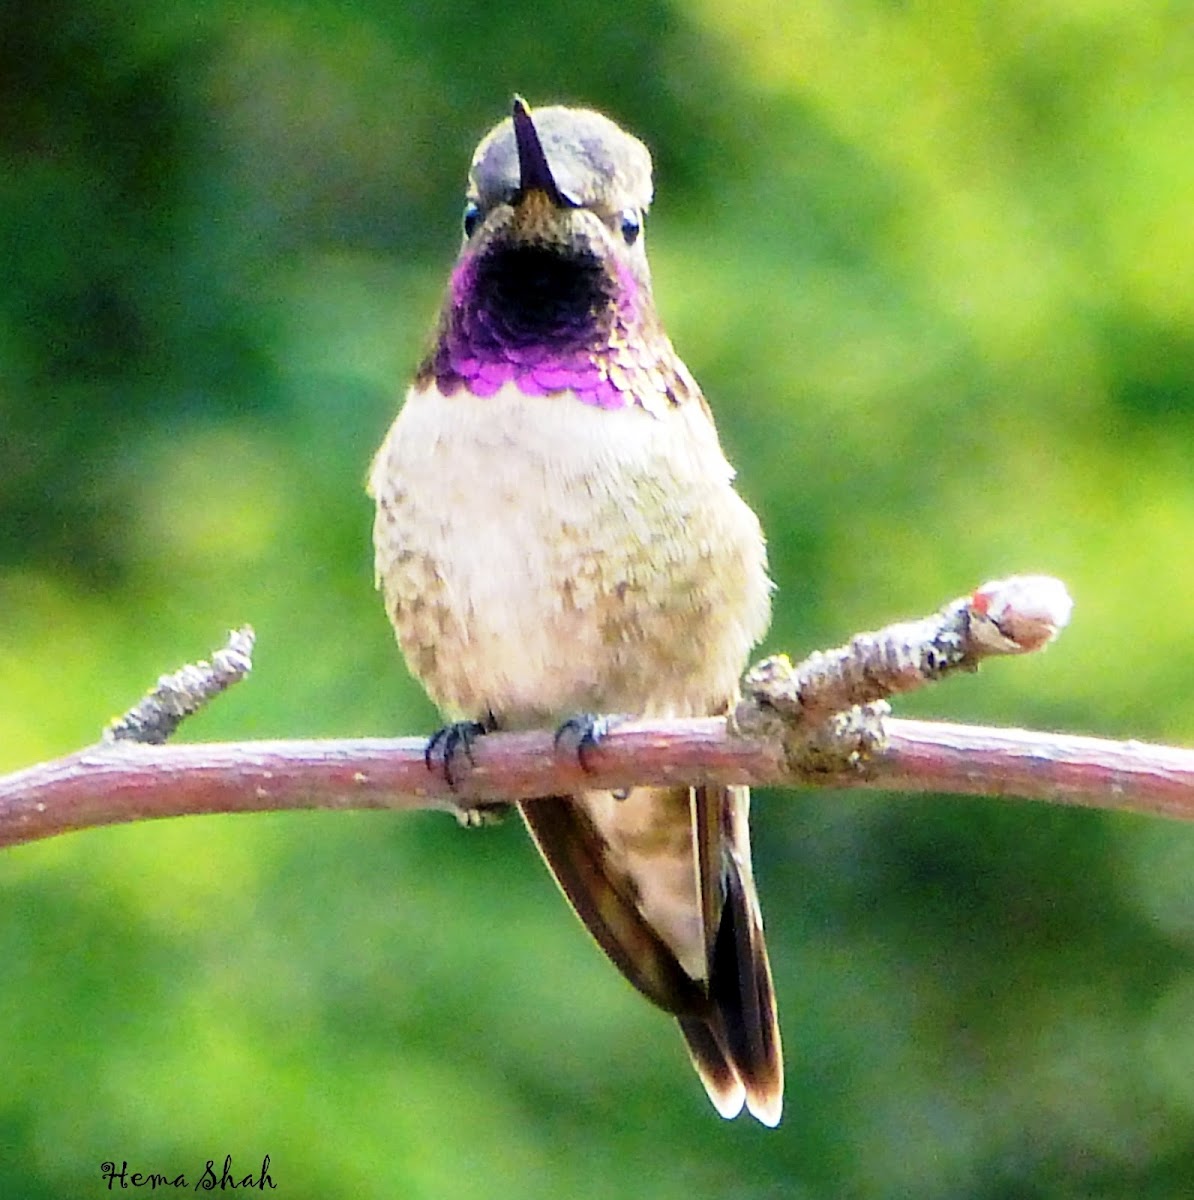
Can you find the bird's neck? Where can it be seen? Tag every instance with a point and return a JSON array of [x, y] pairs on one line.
[[551, 322]]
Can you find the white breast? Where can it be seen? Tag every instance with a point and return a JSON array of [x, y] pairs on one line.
[[541, 556]]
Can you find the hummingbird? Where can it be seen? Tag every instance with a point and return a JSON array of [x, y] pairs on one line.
[[557, 533]]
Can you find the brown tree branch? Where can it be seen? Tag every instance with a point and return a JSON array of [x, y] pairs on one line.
[[821, 723], [110, 784]]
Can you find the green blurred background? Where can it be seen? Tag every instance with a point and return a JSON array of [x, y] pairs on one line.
[[934, 265]]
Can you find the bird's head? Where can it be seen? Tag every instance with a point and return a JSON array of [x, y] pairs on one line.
[[552, 286]]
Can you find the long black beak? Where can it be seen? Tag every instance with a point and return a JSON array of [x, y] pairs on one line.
[[534, 173]]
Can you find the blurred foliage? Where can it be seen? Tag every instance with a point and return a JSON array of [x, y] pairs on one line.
[[935, 268]]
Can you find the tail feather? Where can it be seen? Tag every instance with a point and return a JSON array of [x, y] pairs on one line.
[[742, 992], [736, 1050], [728, 1017], [575, 852], [717, 1073], [742, 1034]]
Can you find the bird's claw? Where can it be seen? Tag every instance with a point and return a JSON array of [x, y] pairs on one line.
[[587, 729], [449, 742]]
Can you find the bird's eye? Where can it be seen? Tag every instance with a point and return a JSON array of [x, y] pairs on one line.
[[472, 218], [631, 225]]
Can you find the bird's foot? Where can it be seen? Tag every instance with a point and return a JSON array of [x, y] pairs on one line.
[[584, 731], [448, 743]]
